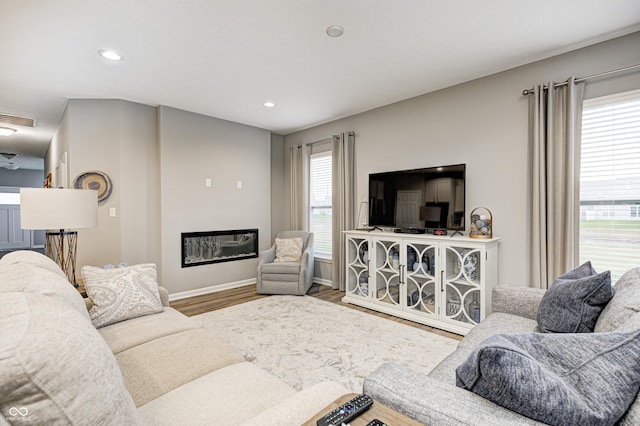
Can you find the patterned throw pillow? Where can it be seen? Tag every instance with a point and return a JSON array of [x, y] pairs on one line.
[[574, 301], [121, 293], [288, 249]]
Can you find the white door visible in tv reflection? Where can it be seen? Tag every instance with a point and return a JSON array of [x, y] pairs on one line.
[[408, 209]]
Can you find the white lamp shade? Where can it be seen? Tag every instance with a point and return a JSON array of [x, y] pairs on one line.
[[42, 208]]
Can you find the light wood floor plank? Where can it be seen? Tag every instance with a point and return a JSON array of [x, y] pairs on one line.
[[223, 299]]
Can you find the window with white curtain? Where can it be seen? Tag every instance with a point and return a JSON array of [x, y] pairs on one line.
[[610, 183], [320, 203]]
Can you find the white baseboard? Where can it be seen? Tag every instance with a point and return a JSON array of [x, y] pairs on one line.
[[228, 286], [322, 281], [210, 289]]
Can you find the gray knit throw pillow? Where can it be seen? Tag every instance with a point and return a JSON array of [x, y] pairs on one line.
[[574, 301], [558, 379]]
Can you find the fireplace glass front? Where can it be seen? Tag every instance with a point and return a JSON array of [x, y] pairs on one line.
[[201, 248]]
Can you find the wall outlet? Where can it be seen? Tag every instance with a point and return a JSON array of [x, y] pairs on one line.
[[112, 212], [207, 182], [239, 184]]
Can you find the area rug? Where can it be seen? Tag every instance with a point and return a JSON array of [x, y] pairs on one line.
[[305, 340]]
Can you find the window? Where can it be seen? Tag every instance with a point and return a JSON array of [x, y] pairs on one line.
[[610, 183], [320, 203]]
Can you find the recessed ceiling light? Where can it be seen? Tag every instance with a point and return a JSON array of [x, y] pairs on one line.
[[269, 104], [6, 131], [110, 55], [335, 31]]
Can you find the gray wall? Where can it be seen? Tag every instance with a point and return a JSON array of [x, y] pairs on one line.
[[195, 147], [158, 159], [483, 123], [119, 139]]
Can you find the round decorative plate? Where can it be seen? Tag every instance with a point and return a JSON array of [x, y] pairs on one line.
[[95, 180]]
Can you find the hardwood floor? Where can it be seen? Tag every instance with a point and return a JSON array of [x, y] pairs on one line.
[[223, 299]]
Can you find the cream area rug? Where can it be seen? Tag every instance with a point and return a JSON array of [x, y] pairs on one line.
[[304, 340]]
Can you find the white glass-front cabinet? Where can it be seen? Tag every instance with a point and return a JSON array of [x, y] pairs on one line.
[[434, 280], [357, 282], [386, 272], [420, 278]]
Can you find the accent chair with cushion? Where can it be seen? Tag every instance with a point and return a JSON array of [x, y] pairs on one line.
[[287, 267]]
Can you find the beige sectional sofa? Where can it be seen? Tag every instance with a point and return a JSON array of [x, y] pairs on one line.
[[159, 369]]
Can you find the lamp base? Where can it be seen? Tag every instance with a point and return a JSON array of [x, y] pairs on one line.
[[61, 247]]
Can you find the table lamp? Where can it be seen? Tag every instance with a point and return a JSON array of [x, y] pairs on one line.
[[50, 209]]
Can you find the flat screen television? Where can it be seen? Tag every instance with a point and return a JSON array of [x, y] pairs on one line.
[[429, 198]]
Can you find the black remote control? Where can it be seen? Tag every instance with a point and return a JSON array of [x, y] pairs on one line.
[[347, 411], [376, 422]]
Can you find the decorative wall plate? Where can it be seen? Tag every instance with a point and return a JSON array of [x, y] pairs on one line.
[[96, 180]]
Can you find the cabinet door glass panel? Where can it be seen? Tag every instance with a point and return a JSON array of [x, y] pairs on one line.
[[387, 272], [358, 267], [462, 285], [421, 278]]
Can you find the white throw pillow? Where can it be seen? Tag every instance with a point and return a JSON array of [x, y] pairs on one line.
[[121, 293], [288, 249]]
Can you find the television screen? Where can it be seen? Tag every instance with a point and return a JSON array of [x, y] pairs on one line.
[[426, 198]]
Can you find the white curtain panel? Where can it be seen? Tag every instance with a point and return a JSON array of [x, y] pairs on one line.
[[555, 122], [299, 190], [343, 202]]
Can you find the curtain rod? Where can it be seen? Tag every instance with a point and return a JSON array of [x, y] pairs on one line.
[[526, 92], [350, 133], [320, 141]]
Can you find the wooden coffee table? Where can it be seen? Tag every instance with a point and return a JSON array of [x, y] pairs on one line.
[[377, 411]]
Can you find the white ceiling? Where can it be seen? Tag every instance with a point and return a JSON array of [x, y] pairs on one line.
[[224, 58]]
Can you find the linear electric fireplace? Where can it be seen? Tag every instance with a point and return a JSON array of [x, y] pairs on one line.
[[201, 248]]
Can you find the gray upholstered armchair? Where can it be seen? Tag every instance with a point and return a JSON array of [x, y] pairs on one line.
[[287, 277]]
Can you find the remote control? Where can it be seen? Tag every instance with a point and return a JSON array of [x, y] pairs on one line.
[[347, 411], [376, 422]]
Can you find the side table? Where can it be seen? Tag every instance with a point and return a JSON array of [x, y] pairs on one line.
[[377, 411]]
